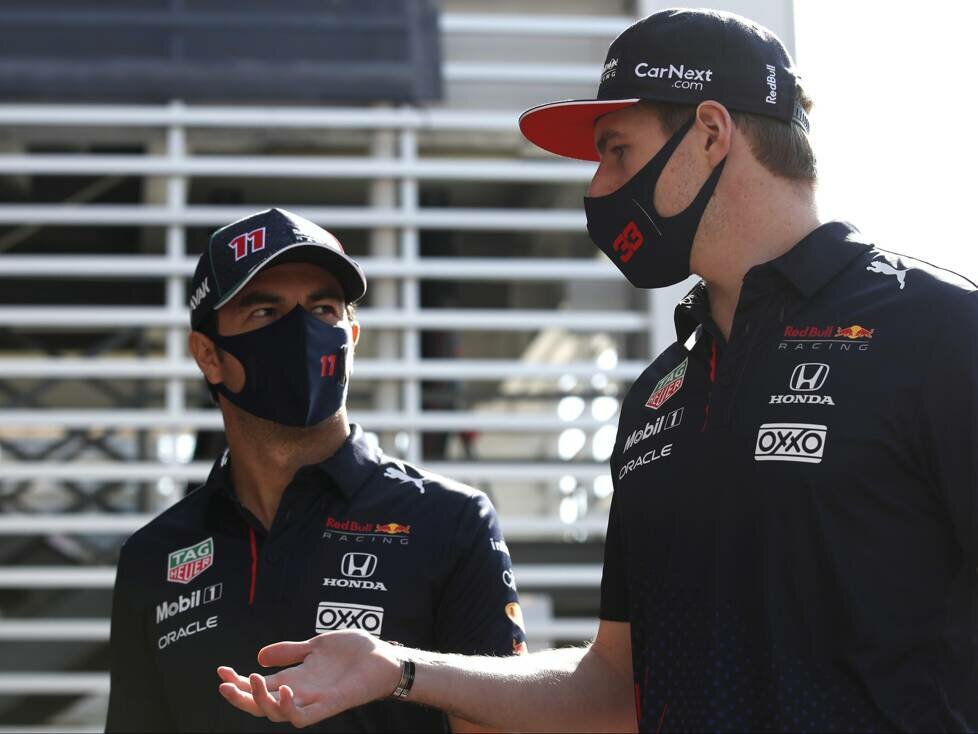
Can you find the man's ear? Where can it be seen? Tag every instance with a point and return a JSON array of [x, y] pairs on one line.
[[355, 331], [713, 119], [205, 354]]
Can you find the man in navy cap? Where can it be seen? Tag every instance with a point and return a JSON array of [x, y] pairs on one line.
[[793, 540], [303, 526]]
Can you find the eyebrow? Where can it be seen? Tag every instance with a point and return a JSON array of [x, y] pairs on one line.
[[327, 293], [259, 297], [604, 138], [265, 298]]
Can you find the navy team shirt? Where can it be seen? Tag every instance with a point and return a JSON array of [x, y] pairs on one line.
[[793, 530], [360, 541]]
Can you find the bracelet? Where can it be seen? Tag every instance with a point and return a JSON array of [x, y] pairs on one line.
[[406, 681]]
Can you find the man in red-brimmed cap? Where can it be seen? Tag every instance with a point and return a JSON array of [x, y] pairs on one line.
[[793, 539]]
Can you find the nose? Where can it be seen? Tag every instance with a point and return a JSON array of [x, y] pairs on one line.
[[602, 182]]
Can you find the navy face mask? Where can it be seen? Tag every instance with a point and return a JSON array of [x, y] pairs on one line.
[[295, 369], [652, 251]]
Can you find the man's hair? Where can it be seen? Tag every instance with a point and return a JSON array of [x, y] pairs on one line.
[[783, 148], [208, 327]]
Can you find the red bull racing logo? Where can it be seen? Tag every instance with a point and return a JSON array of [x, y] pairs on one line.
[[829, 337], [354, 531]]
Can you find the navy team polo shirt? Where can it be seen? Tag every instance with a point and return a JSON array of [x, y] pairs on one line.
[[360, 541], [794, 529]]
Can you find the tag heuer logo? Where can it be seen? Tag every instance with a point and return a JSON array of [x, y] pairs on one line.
[[186, 564], [668, 386]]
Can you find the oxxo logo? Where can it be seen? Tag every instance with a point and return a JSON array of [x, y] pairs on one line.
[[685, 78], [249, 242], [332, 616], [800, 442], [806, 378]]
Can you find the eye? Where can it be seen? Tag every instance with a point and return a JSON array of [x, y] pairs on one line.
[[325, 308], [261, 312], [618, 151]]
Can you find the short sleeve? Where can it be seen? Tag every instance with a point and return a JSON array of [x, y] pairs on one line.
[[478, 611], [136, 700], [614, 578], [950, 425]]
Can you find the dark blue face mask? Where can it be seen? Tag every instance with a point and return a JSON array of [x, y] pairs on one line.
[[652, 251], [295, 369]]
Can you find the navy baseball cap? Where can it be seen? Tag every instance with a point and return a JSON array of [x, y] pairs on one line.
[[237, 253], [681, 56]]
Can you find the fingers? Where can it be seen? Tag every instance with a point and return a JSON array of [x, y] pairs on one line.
[[284, 653], [228, 675], [268, 704], [302, 716], [239, 699]]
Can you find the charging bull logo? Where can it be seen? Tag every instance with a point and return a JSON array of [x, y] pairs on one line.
[[854, 332]]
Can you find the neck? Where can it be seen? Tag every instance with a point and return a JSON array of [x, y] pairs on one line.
[[746, 231], [265, 456]]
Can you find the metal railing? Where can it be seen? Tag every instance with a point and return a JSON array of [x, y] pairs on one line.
[[404, 167]]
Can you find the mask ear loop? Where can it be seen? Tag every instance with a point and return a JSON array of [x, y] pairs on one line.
[[705, 191]]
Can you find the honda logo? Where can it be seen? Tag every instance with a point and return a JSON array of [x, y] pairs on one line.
[[809, 376], [359, 565]]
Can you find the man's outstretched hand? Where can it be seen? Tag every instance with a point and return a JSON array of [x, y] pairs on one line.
[[331, 673]]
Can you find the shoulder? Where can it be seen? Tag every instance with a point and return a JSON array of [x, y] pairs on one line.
[[182, 521], [436, 487], [671, 363], [911, 274], [931, 302]]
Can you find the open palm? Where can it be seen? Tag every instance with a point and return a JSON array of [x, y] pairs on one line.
[[331, 673]]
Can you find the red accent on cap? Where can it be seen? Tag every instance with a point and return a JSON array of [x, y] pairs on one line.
[[567, 128]]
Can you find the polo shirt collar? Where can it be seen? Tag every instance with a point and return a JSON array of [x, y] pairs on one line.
[[348, 469], [820, 257], [353, 464], [808, 266]]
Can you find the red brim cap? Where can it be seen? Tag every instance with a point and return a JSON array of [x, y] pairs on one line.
[[567, 128]]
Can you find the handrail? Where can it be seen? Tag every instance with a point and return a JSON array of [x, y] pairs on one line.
[[452, 218], [366, 369], [64, 317], [535, 576], [97, 630], [211, 420], [318, 167], [427, 268], [197, 471], [514, 528]]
